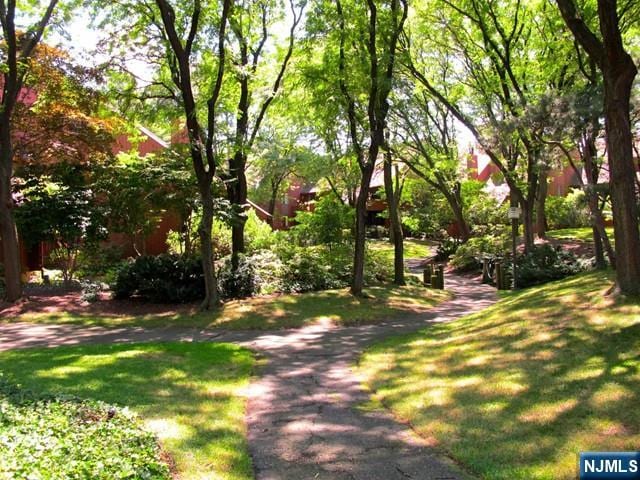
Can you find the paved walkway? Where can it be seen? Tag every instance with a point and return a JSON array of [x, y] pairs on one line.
[[303, 417]]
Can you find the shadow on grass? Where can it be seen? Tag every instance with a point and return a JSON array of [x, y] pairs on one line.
[[271, 312], [187, 393], [517, 391]]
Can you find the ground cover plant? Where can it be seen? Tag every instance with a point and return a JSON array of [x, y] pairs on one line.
[[516, 391], [265, 312], [43, 436], [188, 394]]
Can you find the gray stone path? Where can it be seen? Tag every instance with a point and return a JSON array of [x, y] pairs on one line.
[[304, 420]]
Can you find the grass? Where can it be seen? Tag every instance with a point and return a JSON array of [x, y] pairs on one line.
[[274, 312], [413, 248], [517, 391], [580, 234], [189, 394]]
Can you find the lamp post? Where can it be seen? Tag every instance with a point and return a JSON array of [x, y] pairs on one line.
[[514, 216]]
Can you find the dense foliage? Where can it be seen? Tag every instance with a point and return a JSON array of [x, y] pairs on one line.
[[469, 256], [567, 212], [330, 222], [47, 436], [546, 263], [162, 278]]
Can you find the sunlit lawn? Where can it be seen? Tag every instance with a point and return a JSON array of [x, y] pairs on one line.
[[189, 394], [274, 312], [517, 391], [413, 248], [581, 234]]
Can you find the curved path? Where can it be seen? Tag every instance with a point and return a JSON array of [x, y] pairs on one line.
[[304, 418]]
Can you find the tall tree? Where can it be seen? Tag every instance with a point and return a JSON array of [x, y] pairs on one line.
[[428, 146], [180, 43], [253, 24], [492, 50], [366, 55], [16, 52], [393, 192], [619, 71]]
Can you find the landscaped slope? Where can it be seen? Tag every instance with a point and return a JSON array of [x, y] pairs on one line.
[[188, 394], [518, 390]]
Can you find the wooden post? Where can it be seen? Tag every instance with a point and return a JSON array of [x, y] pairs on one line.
[[427, 274], [441, 277], [499, 276], [486, 278]]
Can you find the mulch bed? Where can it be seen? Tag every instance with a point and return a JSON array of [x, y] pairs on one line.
[[71, 302]]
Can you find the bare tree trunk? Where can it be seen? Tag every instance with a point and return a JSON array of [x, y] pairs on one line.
[[8, 231], [237, 195], [619, 71], [455, 202], [212, 297], [594, 207], [598, 249], [396, 226], [272, 210], [357, 283], [541, 200], [528, 224], [623, 189]]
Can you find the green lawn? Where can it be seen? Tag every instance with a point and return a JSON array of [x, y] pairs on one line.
[[413, 248], [274, 312], [516, 391], [581, 234], [189, 394]]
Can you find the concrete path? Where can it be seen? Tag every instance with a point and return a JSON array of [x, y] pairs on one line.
[[304, 417]]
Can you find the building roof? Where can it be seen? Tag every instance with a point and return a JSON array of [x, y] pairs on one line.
[[153, 136]]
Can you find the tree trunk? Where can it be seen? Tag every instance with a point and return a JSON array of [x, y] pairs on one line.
[[528, 224], [598, 249], [619, 71], [617, 91], [541, 200], [455, 202], [237, 194], [588, 152], [396, 226], [357, 282], [212, 298], [272, 209], [8, 231]]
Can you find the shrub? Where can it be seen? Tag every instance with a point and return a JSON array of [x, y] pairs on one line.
[[485, 214], [258, 234], [60, 437], [447, 247], [567, 212], [220, 238], [321, 268], [90, 291], [268, 270], [329, 223], [546, 263], [239, 284], [163, 279], [306, 269], [97, 261], [468, 256]]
